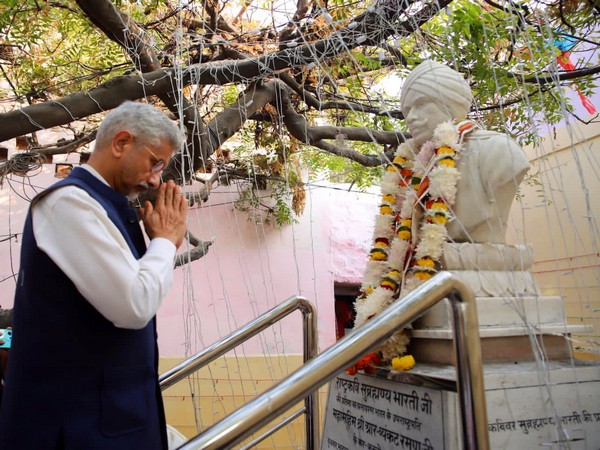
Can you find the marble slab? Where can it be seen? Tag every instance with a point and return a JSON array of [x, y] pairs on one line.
[[549, 405]]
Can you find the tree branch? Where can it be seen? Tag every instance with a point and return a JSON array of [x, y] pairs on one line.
[[119, 89], [298, 127], [315, 103], [67, 147], [200, 248], [361, 158], [120, 28], [562, 76]]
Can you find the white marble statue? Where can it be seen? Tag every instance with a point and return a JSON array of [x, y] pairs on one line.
[[446, 198], [491, 167], [491, 164]]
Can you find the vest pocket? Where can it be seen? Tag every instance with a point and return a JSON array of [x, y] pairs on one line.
[[125, 393]]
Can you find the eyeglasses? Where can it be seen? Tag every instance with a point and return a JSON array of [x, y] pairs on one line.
[[160, 165]]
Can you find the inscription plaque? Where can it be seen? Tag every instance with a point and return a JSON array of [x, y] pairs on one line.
[[376, 413]]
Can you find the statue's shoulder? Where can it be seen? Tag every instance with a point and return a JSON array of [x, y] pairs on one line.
[[490, 139], [498, 151], [487, 135]]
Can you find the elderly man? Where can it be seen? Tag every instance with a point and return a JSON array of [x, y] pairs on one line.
[[83, 367], [491, 165]]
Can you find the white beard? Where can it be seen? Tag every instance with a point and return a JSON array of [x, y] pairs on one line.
[[134, 195]]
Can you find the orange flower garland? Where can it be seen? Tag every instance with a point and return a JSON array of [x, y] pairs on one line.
[[399, 261], [364, 363]]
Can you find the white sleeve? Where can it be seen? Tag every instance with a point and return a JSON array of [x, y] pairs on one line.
[[76, 233]]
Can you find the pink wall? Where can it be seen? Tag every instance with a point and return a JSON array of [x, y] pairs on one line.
[[249, 269]]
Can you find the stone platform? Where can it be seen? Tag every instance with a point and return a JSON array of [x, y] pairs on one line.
[[512, 329], [554, 405]]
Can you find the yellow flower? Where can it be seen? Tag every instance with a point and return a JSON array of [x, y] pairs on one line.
[[440, 219], [386, 209], [369, 290], [415, 181], [400, 160], [439, 205], [445, 151], [381, 244], [404, 234], [426, 262], [389, 198], [447, 162], [406, 222], [388, 284], [394, 274], [378, 255], [403, 363], [423, 276]]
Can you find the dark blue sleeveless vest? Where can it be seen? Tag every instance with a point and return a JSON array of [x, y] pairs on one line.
[[75, 381]]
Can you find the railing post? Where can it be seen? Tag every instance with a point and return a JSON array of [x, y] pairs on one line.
[[311, 401], [219, 348], [469, 369], [238, 337]]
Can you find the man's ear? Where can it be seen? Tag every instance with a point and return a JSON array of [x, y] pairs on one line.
[[122, 141]]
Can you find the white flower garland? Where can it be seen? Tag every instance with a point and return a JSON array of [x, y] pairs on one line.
[[399, 262]]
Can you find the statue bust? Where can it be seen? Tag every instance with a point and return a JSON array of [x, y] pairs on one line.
[[446, 197], [491, 165]]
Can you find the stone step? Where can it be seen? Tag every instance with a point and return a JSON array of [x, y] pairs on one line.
[[516, 330], [502, 312]]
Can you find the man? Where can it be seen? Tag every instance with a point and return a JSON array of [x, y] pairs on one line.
[[83, 363], [491, 165]]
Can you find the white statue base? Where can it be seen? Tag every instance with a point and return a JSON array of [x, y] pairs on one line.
[[555, 406], [537, 395], [506, 328], [511, 311]]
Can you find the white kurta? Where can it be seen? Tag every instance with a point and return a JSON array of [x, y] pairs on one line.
[[75, 232]]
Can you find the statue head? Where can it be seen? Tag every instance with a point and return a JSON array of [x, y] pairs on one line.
[[431, 94]]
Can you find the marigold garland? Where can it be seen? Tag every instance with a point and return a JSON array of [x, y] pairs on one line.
[[398, 260], [364, 363], [403, 363]]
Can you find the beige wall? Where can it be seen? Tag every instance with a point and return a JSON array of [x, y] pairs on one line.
[[558, 214]]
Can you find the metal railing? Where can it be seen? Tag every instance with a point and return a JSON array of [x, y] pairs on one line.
[[253, 415], [238, 337]]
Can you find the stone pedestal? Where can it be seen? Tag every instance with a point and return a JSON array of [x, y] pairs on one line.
[[516, 323], [511, 329], [551, 406], [554, 405], [537, 395]]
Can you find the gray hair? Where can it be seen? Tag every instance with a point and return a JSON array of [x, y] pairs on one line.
[[441, 84], [147, 123]]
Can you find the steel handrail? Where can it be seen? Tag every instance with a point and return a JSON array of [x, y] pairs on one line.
[[238, 337], [244, 421]]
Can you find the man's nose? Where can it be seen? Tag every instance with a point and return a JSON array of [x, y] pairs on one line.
[[154, 179]]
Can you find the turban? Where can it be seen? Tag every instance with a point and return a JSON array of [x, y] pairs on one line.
[[441, 84]]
